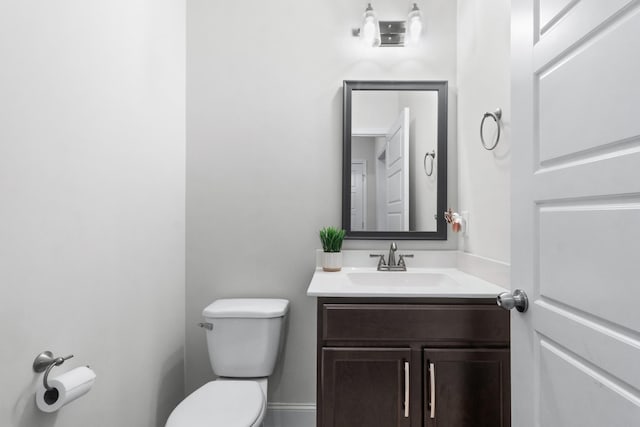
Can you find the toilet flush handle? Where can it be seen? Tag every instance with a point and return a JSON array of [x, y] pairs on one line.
[[206, 325]]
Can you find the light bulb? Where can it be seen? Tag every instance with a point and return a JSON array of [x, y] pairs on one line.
[[415, 29], [370, 32], [414, 21]]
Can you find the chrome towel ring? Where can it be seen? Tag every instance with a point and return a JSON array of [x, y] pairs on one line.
[[432, 154], [496, 116]]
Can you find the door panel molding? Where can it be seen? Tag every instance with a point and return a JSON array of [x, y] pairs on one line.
[[562, 373], [578, 111], [613, 348], [582, 23]]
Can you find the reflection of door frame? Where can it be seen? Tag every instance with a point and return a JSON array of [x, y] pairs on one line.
[[380, 171], [363, 189], [381, 189]]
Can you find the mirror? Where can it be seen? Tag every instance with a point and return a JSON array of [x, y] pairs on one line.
[[394, 175]]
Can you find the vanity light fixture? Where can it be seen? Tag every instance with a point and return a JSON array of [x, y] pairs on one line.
[[389, 33]]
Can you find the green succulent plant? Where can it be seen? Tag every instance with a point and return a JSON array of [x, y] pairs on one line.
[[331, 239]]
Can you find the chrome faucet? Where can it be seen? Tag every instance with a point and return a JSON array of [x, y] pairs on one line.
[[390, 264], [391, 259]]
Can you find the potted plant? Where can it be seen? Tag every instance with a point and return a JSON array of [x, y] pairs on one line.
[[331, 239]]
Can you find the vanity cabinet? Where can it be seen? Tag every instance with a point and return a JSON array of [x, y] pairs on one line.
[[423, 362]]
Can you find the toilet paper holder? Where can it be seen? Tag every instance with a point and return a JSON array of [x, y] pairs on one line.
[[45, 362]]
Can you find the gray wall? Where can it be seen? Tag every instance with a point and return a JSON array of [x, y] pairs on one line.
[[264, 120], [92, 144], [484, 84]]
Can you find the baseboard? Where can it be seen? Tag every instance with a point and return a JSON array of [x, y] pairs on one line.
[[290, 415]]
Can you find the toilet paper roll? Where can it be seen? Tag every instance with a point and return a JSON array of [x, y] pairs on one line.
[[66, 388]]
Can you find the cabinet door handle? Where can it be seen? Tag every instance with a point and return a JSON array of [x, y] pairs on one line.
[[432, 389], [406, 389]]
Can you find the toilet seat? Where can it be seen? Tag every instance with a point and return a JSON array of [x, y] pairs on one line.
[[221, 403]]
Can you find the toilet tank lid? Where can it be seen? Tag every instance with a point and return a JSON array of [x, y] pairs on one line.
[[247, 307]]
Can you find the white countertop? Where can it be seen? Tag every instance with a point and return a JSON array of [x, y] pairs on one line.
[[416, 283]]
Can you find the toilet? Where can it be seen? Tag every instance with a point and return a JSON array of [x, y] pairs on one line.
[[244, 339]]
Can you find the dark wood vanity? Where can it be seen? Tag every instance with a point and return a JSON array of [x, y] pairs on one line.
[[412, 362]]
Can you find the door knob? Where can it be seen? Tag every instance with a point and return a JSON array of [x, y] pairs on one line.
[[518, 299]]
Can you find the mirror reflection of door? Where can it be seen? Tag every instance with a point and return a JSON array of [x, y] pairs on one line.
[[397, 174]]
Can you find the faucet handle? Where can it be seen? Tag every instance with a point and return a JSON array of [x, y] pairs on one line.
[[381, 256], [381, 262], [402, 257]]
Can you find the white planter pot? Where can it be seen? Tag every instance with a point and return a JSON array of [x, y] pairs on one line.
[[332, 261]]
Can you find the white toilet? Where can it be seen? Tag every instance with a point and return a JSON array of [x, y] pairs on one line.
[[244, 341]]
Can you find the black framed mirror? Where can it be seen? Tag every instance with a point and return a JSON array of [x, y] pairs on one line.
[[394, 175]]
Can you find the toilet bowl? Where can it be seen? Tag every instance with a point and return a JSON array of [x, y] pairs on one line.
[[244, 338], [222, 403]]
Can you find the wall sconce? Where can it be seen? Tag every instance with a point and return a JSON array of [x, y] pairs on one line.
[[389, 33]]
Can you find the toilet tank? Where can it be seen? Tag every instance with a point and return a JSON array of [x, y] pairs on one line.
[[246, 337]]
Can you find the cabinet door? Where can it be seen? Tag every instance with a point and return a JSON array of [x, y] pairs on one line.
[[365, 387], [467, 388]]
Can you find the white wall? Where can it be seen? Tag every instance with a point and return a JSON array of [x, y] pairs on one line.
[[484, 85], [373, 110], [264, 120], [92, 144]]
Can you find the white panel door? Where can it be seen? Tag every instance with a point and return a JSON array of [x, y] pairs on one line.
[[576, 212], [397, 174], [358, 195]]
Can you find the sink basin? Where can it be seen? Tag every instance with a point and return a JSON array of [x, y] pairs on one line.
[[401, 278], [418, 282]]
